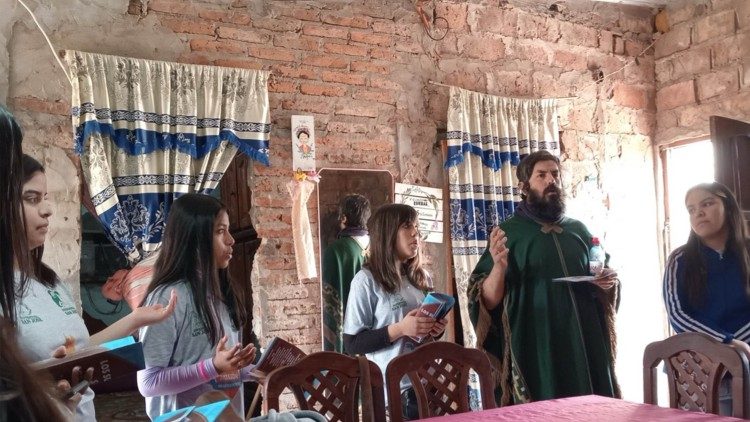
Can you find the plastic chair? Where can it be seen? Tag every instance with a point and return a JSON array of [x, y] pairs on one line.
[[439, 374], [696, 364], [329, 383]]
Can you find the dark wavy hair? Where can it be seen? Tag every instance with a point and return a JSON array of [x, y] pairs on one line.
[[187, 255], [43, 273], [737, 242], [525, 168], [14, 252], [382, 262], [356, 209]]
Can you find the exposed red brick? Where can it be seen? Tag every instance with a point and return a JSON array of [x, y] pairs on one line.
[[386, 97], [496, 21], [371, 66], [322, 89], [345, 127], [187, 26], [326, 31], [731, 50], [386, 54], [326, 61], [350, 21], [305, 104], [606, 41], [384, 83], [714, 26], [194, 58], [533, 26], [278, 25], [408, 45], [630, 96], [302, 14], [247, 64], [569, 60], [235, 17], [172, 6], [343, 78], [271, 53], [454, 13], [677, 39], [389, 27], [716, 83], [242, 35], [223, 46], [295, 73], [280, 86], [353, 108], [382, 40], [578, 35], [682, 93], [484, 49], [296, 42], [689, 63], [634, 47], [349, 50], [537, 53], [29, 103]]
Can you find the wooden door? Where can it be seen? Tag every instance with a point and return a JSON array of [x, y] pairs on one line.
[[731, 139]]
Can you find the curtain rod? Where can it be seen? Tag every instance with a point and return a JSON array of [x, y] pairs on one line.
[[454, 86]]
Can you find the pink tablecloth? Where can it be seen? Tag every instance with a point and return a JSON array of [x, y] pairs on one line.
[[582, 409]]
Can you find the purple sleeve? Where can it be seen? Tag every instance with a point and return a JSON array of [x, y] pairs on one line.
[[160, 381], [246, 374]]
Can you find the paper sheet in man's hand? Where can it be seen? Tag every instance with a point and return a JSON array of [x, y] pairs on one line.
[[605, 274]]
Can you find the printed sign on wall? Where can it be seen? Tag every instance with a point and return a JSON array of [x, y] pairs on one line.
[[303, 143], [429, 205]]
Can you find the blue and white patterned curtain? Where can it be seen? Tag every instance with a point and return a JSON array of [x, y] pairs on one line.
[[149, 131], [487, 137]]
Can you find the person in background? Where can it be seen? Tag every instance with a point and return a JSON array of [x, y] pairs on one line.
[[47, 320], [707, 280], [341, 260], [547, 339], [199, 348], [381, 313]]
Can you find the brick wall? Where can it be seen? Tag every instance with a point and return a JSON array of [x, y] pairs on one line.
[[702, 67], [362, 69]]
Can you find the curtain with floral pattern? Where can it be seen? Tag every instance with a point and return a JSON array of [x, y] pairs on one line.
[[487, 137], [149, 131]]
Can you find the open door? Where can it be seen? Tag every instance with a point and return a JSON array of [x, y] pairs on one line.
[[731, 139]]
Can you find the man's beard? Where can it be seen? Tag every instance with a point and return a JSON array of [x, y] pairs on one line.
[[546, 208]]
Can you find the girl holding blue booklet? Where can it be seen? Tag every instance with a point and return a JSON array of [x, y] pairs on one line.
[[382, 313]]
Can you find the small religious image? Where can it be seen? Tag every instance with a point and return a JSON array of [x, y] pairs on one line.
[[303, 143]]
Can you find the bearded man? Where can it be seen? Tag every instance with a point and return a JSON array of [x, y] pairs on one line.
[[546, 339]]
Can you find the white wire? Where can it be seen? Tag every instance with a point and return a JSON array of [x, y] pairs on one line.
[[54, 53]]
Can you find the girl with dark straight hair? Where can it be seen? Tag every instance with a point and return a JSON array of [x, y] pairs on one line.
[[381, 318], [199, 348], [707, 280], [50, 324]]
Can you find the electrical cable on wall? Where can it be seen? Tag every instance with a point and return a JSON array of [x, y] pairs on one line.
[[70, 79]]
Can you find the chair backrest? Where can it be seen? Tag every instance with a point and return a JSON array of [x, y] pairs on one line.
[[439, 374], [328, 383], [695, 364]]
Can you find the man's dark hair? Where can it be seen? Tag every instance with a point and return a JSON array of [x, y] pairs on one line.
[[356, 209], [526, 167]]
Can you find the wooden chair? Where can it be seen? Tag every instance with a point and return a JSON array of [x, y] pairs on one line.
[[439, 374], [696, 363], [328, 383]]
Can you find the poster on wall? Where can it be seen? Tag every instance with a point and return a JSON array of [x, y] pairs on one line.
[[303, 143], [429, 205]]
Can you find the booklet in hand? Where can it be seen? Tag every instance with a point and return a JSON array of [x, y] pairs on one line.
[[435, 305], [208, 412], [111, 360], [605, 274], [278, 353]]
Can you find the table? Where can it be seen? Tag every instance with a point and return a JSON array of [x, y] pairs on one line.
[[582, 409]]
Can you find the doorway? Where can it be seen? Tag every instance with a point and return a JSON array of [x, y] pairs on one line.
[[685, 165]]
